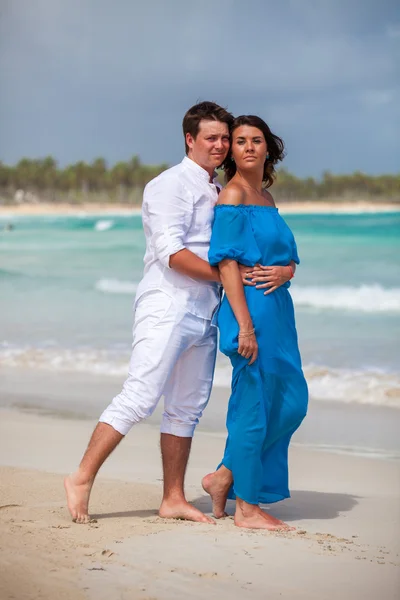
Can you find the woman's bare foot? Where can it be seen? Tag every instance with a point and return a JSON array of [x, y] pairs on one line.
[[181, 509], [78, 494], [250, 516], [218, 488]]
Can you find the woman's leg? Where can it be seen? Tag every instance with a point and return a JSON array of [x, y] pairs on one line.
[[217, 484], [246, 425], [250, 516]]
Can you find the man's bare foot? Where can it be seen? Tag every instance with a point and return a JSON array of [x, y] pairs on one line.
[[255, 518], [182, 510], [78, 494], [218, 491]]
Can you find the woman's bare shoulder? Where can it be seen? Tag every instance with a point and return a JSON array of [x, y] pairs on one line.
[[268, 196], [232, 194]]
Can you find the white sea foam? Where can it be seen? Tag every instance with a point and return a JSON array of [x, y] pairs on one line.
[[362, 386], [103, 225], [360, 451], [116, 286], [368, 386], [86, 360], [365, 298]]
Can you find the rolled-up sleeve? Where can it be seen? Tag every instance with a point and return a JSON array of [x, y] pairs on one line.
[[168, 213]]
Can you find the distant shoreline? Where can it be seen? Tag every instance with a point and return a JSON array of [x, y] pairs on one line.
[[310, 207]]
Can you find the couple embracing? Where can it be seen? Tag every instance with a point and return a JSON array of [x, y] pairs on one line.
[[201, 239]]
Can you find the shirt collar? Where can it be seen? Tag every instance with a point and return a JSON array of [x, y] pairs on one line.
[[188, 162]]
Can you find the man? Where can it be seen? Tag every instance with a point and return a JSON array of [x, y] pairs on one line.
[[174, 339]]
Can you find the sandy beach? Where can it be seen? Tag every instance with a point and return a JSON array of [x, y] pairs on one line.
[[346, 511], [42, 208]]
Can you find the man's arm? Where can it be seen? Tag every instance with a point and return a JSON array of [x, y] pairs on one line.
[[169, 210], [188, 263]]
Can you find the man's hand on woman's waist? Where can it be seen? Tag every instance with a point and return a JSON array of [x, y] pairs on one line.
[[267, 277]]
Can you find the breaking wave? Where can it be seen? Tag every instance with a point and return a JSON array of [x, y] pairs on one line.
[[365, 298], [360, 386]]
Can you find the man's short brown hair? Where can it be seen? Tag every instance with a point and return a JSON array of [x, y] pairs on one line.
[[208, 111]]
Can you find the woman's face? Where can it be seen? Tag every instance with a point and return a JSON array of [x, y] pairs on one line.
[[249, 148]]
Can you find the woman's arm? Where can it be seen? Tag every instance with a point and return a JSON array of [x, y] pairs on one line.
[[233, 286]]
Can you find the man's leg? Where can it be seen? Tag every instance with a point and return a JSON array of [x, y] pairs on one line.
[[175, 455], [156, 347], [186, 395], [78, 485]]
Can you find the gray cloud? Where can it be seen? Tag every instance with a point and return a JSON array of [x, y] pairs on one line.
[[101, 78]]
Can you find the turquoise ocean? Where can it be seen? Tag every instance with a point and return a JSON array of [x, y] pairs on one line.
[[67, 285]]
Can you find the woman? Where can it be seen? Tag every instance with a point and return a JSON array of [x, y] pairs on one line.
[[257, 331]]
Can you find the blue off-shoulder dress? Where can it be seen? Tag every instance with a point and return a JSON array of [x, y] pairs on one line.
[[269, 398]]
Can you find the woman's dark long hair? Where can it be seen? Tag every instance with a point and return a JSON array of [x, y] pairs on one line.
[[274, 144]]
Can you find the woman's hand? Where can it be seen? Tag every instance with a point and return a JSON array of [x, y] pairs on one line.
[[248, 347], [245, 274], [271, 277]]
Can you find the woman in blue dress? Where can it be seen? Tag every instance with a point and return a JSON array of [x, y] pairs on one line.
[[257, 331]]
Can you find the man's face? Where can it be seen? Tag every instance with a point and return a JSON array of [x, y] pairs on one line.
[[211, 145]]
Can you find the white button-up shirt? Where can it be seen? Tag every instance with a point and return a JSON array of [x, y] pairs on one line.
[[177, 213]]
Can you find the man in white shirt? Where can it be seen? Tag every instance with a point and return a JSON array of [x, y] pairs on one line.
[[174, 338]]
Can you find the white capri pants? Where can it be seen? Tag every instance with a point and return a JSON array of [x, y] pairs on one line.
[[173, 354]]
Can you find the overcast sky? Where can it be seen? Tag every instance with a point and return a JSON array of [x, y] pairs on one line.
[[113, 78]]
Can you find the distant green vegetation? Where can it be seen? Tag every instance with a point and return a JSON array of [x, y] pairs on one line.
[[340, 187], [42, 180]]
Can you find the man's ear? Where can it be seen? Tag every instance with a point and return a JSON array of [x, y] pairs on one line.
[[189, 140]]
